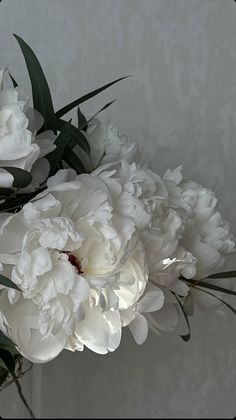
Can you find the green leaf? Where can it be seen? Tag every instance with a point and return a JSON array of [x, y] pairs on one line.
[[73, 161], [212, 287], [4, 281], [221, 300], [3, 373], [15, 84], [7, 359], [100, 110], [22, 178], [7, 344], [82, 122], [3, 366], [76, 137], [55, 157], [187, 336], [223, 275], [41, 94], [6, 192], [84, 98], [4, 341], [15, 203]]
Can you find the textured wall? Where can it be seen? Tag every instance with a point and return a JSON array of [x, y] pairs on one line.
[[181, 107]]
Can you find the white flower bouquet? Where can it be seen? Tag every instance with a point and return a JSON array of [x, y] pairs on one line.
[[91, 239]]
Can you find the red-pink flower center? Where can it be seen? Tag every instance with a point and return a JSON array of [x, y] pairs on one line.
[[75, 262]]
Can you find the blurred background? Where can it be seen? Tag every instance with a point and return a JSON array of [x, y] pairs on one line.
[[180, 106]]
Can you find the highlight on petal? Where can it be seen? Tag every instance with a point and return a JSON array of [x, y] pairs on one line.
[[6, 179], [100, 332]]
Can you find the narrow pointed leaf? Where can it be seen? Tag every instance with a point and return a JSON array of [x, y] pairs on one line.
[[84, 98], [3, 373], [73, 161], [7, 343], [15, 84], [61, 142], [40, 90], [12, 204], [8, 360], [223, 275], [100, 110], [6, 192], [82, 122], [76, 136], [4, 281], [185, 337], [22, 178], [221, 300], [212, 287]]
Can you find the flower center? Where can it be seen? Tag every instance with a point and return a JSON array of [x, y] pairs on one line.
[[75, 262]]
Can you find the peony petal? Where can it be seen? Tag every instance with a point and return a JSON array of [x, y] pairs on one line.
[[36, 120], [22, 319], [12, 233], [46, 207], [127, 316], [152, 300], [40, 172], [45, 142], [61, 177], [114, 322], [97, 332], [166, 319], [139, 328], [6, 179], [41, 349], [208, 259]]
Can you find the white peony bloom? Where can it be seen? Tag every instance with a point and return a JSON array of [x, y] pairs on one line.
[[16, 148], [141, 195], [181, 231], [78, 266], [206, 235], [136, 191], [18, 144], [109, 145]]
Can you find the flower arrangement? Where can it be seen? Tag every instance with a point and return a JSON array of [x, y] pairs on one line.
[[91, 239]]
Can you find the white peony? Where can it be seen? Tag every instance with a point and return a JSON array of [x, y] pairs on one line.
[[181, 231], [206, 235], [109, 145], [141, 195], [19, 146], [136, 191], [78, 264]]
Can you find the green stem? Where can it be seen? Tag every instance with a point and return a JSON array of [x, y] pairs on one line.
[[21, 395], [3, 375]]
